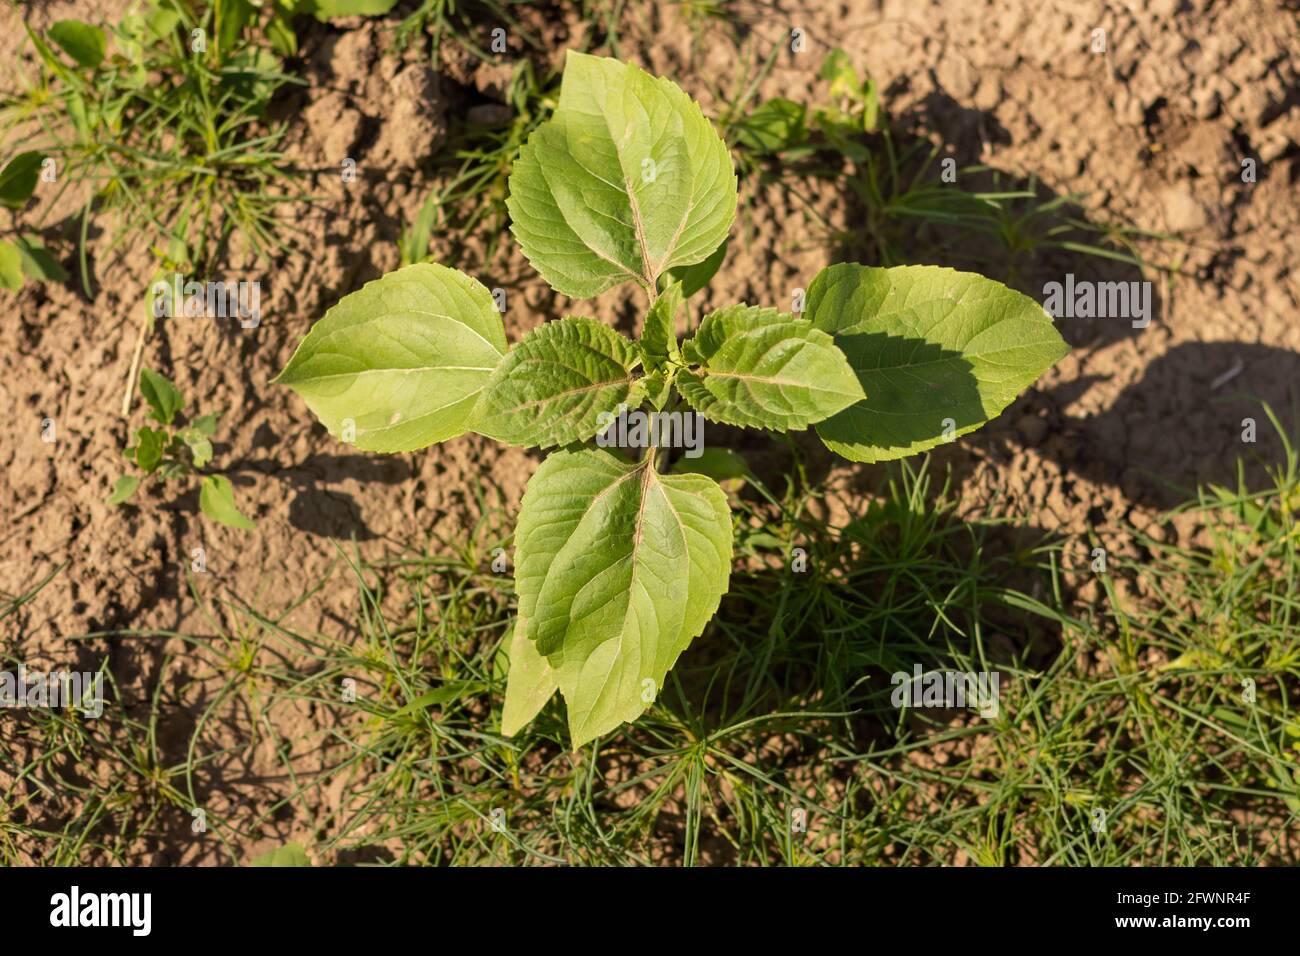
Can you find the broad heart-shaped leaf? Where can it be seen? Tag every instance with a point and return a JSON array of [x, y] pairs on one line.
[[765, 369], [617, 569], [551, 388], [659, 335], [399, 364], [625, 181], [938, 352], [530, 683]]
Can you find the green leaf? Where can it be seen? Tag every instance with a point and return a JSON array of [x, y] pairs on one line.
[[18, 179], [765, 369], [530, 684], [46, 54], [552, 387], [402, 361], [163, 397], [232, 17], [329, 9], [123, 489], [938, 352], [657, 387], [696, 277], [86, 44], [11, 267], [200, 448], [291, 854], [37, 262], [217, 501], [775, 126], [618, 569], [721, 464], [149, 446], [625, 181], [205, 425], [838, 70], [162, 21], [659, 337]]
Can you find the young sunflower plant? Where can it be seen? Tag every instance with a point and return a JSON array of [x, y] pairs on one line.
[[620, 560]]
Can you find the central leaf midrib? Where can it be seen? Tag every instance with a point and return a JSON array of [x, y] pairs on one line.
[[769, 380]]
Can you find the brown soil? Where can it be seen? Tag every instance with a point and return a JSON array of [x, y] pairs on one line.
[[1152, 132]]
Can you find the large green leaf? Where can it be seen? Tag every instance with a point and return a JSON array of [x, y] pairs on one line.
[[618, 568], [938, 352], [552, 386], [765, 369], [530, 683], [625, 181], [401, 361]]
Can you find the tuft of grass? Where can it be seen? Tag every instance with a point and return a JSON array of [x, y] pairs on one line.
[[1122, 738], [911, 202], [171, 129]]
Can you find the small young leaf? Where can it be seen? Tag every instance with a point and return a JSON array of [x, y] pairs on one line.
[[200, 448], [765, 369], [552, 386], [939, 353], [86, 44], [402, 360], [659, 337], [657, 386], [123, 489], [530, 684], [11, 266], [696, 277], [838, 70], [164, 398], [217, 501], [618, 569], [625, 181], [150, 443], [205, 425], [37, 261], [18, 179]]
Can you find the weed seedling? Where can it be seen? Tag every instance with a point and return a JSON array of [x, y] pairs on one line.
[[622, 556], [167, 451]]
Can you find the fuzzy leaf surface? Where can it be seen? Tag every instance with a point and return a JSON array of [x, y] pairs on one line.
[[550, 388], [765, 369], [618, 569], [625, 181], [402, 360], [938, 352]]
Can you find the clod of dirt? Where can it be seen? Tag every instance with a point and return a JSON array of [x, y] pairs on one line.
[[414, 122], [334, 125]]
